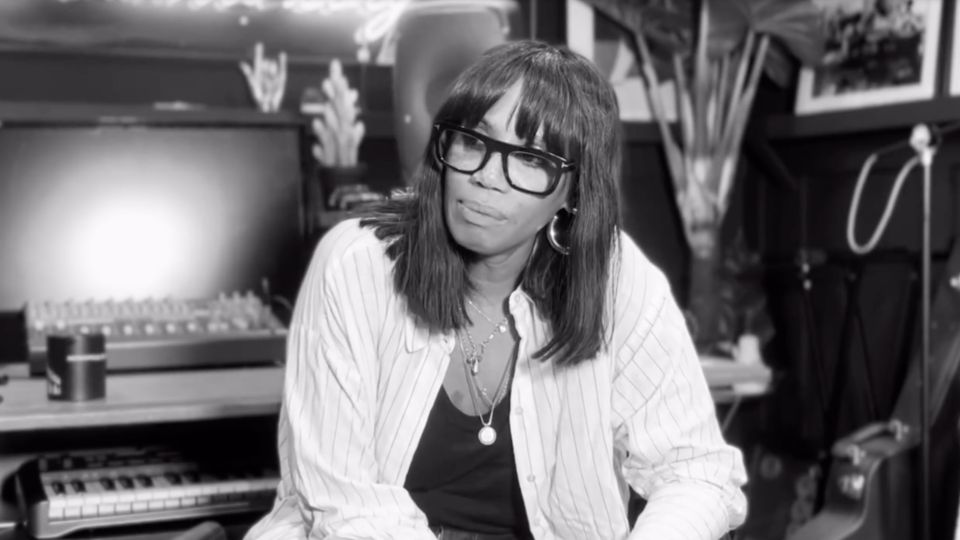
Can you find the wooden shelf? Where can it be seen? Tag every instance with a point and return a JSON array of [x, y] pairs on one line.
[[896, 116], [143, 398], [782, 127], [378, 124], [66, 114]]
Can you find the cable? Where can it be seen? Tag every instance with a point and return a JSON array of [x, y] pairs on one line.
[[924, 140], [862, 249]]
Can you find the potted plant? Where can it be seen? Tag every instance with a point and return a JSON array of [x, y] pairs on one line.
[[716, 52], [338, 133]]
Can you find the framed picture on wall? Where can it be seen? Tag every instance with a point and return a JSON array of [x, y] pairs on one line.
[[954, 74], [595, 36], [879, 52]]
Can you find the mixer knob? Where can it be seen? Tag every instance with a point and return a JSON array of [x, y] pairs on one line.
[[171, 328], [150, 329], [193, 327], [127, 329], [106, 329]]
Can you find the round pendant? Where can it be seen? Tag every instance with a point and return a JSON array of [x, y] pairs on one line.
[[487, 435]]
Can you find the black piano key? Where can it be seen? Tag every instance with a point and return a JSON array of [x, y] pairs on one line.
[[191, 476], [125, 482], [108, 484], [173, 478], [58, 488], [144, 480], [78, 486]]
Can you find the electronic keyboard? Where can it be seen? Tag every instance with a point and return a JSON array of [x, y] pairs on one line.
[[63, 493]]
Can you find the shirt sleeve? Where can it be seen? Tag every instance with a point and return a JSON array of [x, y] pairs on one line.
[[330, 486], [676, 457]]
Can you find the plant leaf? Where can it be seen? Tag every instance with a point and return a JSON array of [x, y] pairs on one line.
[[780, 66], [798, 25]]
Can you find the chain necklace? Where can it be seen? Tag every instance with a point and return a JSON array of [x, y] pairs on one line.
[[501, 326], [487, 434], [471, 365], [474, 356]]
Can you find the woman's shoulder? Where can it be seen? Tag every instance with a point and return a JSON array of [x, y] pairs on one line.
[[633, 274], [628, 255], [348, 240]]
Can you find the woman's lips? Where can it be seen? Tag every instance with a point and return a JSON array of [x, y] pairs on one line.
[[483, 210]]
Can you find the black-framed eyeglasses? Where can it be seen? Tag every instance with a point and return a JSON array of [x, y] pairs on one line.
[[529, 170]]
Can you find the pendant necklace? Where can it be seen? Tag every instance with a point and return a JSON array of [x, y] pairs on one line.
[[487, 434]]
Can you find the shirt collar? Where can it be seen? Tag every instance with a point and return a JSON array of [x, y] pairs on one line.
[[415, 335]]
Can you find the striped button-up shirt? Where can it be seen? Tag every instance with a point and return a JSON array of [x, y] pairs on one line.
[[361, 377]]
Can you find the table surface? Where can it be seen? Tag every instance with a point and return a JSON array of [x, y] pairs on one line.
[[189, 395]]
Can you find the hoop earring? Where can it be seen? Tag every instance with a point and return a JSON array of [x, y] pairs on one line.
[[553, 234]]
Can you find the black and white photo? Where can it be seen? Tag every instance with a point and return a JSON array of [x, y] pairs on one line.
[[878, 52]]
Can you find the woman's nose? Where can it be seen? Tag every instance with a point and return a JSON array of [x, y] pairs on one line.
[[492, 174]]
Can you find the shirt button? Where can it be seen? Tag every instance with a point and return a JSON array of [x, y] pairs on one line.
[[531, 478]]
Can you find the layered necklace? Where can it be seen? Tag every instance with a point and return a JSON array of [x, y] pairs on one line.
[[472, 356]]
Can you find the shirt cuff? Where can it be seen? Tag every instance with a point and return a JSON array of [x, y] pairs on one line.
[[688, 512]]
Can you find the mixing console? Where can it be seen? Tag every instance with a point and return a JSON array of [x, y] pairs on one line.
[[161, 334]]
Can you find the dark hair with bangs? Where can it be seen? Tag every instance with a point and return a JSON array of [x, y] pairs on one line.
[[577, 109]]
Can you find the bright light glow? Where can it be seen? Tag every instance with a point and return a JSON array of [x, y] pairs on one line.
[[153, 236]]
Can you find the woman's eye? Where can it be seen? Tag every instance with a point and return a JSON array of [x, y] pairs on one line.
[[530, 160], [470, 142]]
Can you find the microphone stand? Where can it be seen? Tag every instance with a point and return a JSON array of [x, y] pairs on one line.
[[921, 139], [924, 140]]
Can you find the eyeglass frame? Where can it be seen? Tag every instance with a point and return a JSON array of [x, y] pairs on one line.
[[560, 164]]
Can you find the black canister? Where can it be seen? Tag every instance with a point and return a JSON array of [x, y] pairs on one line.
[[76, 367]]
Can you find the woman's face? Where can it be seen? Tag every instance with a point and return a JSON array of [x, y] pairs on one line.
[[483, 212]]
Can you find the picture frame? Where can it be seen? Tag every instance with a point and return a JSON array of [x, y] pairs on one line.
[[878, 53], [608, 46], [954, 74]]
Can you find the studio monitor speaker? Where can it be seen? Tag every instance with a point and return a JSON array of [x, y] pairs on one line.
[[436, 41]]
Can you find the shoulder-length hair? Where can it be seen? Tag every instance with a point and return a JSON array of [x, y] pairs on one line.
[[576, 107]]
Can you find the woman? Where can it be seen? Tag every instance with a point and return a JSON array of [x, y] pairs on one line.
[[492, 354]]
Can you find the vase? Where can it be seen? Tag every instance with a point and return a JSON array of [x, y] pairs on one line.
[[705, 291], [725, 295]]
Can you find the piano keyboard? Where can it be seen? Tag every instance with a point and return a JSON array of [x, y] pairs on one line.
[[60, 494]]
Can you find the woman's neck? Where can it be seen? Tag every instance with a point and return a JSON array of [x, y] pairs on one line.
[[495, 277]]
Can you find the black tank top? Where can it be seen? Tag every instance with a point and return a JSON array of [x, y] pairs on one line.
[[458, 482]]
